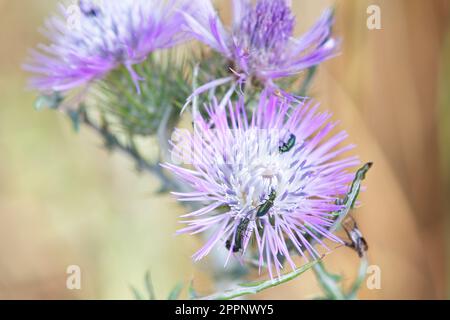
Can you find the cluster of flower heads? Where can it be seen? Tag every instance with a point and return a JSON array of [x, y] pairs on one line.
[[268, 181]]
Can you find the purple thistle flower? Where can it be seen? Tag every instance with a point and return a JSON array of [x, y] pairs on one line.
[[91, 38], [271, 180], [260, 44]]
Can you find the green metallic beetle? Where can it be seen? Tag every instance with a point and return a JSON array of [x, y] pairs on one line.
[[287, 146], [240, 235], [243, 224], [267, 205]]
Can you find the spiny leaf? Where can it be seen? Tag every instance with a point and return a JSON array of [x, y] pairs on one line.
[[356, 185], [255, 287], [350, 199]]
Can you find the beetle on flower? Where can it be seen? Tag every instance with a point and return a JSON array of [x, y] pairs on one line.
[[253, 193]]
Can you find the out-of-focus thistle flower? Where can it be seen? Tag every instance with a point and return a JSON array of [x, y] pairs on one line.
[[260, 45], [91, 38], [268, 182]]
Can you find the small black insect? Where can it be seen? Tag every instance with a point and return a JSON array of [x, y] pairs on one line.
[[357, 241], [267, 205], [239, 236], [287, 146], [89, 10]]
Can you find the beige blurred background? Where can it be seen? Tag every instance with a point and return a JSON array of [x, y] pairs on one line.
[[65, 201]]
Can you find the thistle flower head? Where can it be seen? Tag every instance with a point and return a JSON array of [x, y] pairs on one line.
[[90, 38], [260, 44], [265, 31], [268, 182]]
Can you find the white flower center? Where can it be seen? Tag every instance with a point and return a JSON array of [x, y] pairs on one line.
[[258, 169]]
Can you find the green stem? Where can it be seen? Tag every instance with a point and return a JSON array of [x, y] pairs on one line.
[[328, 282], [115, 144], [362, 272], [331, 284]]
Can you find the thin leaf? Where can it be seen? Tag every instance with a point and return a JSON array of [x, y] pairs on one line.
[[255, 287], [175, 293], [137, 295], [149, 286], [191, 291], [352, 195]]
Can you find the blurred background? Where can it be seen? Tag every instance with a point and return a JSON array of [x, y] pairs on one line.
[[65, 201]]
